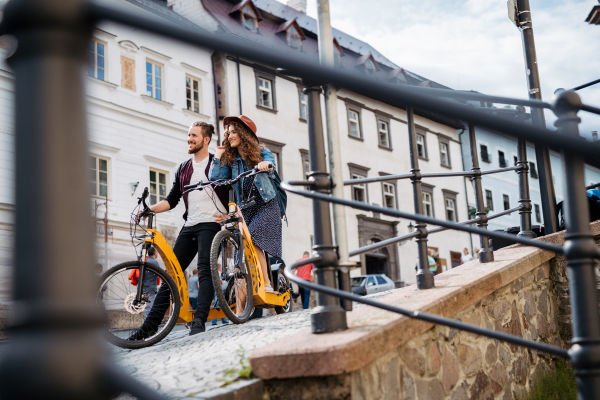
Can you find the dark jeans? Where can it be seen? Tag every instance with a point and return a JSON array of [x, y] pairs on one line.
[[192, 240], [304, 296], [194, 303]]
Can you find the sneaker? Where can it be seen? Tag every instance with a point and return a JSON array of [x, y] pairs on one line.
[[269, 289], [141, 334], [197, 327], [214, 322]]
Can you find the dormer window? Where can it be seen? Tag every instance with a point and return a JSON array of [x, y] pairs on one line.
[[398, 76], [293, 38], [370, 68], [249, 15], [293, 34], [337, 53], [249, 19]]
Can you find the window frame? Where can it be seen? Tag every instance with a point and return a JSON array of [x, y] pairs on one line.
[[192, 79], [253, 16], [538, 213], [487, 152], [426, 188], [97, 41], [277, 149], [423, 134], [304, 157], [358, 171], [258, 75], [485, 203], [162, 79], [382, 118], [288, 37], [505, 196], [108, 179], [502, 158], [392, 183], [300, 94], [356, 109], [158, 184], [450, 195], [533, 170], [371, 72], [445, 141]]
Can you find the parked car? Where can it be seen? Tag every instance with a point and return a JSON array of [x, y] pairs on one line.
[[369, 284]]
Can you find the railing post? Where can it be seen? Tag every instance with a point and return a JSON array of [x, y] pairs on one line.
[[580, 250], [425, 278], [328, 316], [523, 174], [485, 253]]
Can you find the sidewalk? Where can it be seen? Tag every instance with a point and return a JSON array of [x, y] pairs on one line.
[[197, 366]]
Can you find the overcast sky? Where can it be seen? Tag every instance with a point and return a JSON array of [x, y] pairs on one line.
[[472, 45]]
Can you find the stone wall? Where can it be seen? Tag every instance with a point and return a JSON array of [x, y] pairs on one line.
[[383, 355]]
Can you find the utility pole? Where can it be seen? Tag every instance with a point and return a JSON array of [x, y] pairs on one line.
[[333, 143], [522, 18]]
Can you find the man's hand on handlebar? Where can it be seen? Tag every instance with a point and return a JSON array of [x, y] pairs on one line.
[[264, 166]]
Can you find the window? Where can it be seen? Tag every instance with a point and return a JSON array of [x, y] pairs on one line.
[[383, 128], [97, 58], [427, 204], [154, 85], [359, 190], [380, 280], [389, 194], [516, 160], [506, 202], [444, 153], [193, 93], [99, 176], [354, 123], [450, 209], [370, 68], [158, 186], [370, 281], [293, 38], [277, 149], [249, 20], [450, 205], [421, 146], [265, 98], [501, 159], [538, 218], [485, 156], [532, 171], [305, 163], [489, 202], [303, 106]]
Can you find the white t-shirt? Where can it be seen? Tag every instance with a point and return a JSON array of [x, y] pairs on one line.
[[466, 258], [201, 207]]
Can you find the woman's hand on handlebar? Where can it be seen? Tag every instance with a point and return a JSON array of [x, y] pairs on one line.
[[220, 218], [264, 166]]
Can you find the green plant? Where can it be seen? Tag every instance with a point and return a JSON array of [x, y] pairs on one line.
[[244, 371], [557, 385]]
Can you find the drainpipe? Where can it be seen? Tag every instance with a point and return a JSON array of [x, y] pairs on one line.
[[214, 68], [465, 182], [333, 143], [239, 83]]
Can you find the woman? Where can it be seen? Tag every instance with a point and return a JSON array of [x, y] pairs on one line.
[[241, 151]]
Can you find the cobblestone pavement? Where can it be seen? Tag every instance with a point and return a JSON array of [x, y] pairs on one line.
[[183, 366]]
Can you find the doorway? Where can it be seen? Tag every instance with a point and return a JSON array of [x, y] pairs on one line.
[[455, 258], [376, 264]]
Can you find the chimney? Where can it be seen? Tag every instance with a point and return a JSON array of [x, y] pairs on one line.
[[594, 136], [298, 5]]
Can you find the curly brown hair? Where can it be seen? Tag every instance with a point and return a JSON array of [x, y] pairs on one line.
[[249, 146]]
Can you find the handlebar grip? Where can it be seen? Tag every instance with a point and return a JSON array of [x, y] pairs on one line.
[[145, 193], [188, 187]]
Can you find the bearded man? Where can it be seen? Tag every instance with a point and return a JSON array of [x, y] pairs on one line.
[[202, 210]]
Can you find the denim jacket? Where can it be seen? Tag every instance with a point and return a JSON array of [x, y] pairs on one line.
[[262, 182]]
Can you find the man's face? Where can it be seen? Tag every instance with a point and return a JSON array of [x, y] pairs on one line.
[[430, 252], [195, 140], [466, 251]]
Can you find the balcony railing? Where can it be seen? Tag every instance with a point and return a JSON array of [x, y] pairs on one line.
[[55, 352]]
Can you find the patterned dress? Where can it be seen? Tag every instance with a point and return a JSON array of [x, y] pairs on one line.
[[263, 219]]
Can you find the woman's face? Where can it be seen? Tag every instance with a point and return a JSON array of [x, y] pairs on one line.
[[233, 136]]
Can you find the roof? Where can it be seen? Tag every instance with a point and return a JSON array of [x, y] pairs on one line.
[[150, 9], [594, 16]]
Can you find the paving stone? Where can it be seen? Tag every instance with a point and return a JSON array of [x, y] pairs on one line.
[[542, 326], [520, 369], [498, 377], [434, 359], [529, 308], [414, 359], [491, 354], [408, 384], [513, 326], [499, 309], [481, 389], [460, 393], [543, 302], [429, 389], [469, 357]]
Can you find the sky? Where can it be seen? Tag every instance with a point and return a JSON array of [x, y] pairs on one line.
[[472, 45]]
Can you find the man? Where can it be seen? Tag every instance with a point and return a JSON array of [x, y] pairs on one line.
[[305, 272], [466, 257], [150, 280], [193, 287], [431, 261], [198, 231]]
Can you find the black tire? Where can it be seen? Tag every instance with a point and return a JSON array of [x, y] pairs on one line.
[[284, 286], [226, 294], [115, 297]]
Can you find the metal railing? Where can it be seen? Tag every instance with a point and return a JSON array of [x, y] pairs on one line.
[[55, 351]]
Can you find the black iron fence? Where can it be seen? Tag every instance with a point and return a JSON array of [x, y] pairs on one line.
[[56, 352]]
